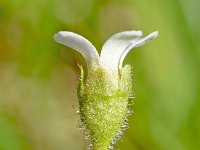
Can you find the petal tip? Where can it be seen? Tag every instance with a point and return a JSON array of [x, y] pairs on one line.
[[155, 34], [136, 33], [58, 37], [139, 33]]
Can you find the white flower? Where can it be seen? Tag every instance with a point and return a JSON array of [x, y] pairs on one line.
[[113, 51], [104, 96]]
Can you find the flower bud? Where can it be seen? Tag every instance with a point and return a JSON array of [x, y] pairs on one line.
[[104, 106]]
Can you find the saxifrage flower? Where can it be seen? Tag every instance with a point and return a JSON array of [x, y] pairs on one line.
[[104, 95]]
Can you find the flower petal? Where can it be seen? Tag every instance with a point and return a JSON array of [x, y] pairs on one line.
[[81, 45], [138, 43], [115, 47], [148, 38]]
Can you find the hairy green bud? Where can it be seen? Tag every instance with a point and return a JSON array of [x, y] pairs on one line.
[[104, 106]]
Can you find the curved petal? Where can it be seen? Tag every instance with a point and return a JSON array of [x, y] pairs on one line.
[[148, 38], [138, 43], [115, 47], [81, 45]]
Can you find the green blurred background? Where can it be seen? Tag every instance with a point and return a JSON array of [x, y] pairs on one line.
[[38, 77]]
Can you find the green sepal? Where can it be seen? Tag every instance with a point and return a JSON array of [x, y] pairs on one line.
[[104, 104], [80, 88]]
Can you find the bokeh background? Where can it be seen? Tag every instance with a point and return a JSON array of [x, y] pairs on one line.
[[38, 77]]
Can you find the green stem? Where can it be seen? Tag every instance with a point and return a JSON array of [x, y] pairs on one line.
[[101, 145]]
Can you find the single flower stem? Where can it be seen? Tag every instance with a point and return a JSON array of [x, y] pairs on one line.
[[101, 145]]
